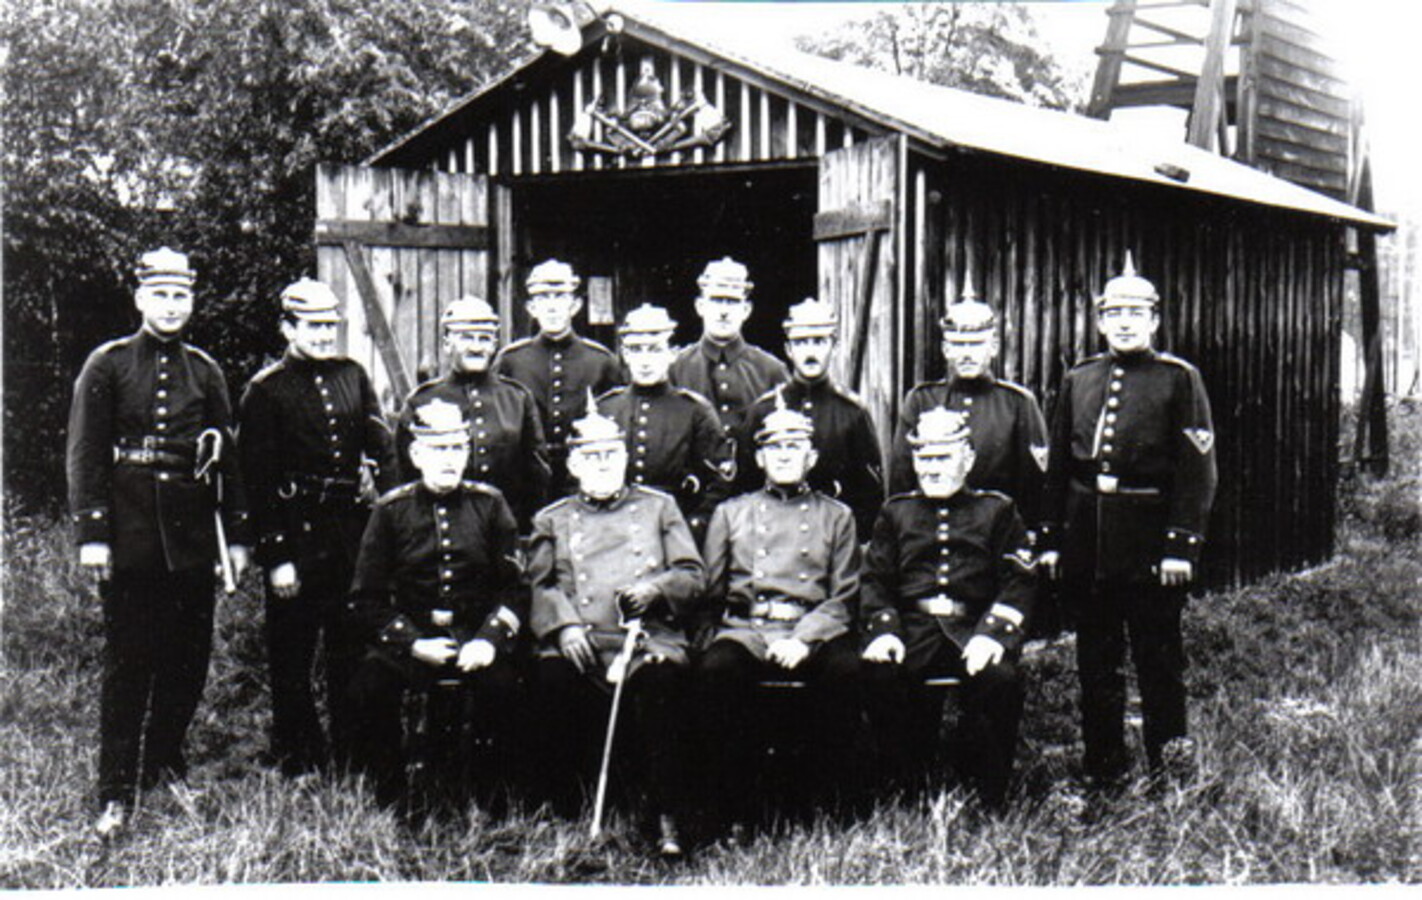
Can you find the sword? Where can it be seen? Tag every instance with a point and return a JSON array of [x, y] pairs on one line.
[[212, 439], [617, 674]]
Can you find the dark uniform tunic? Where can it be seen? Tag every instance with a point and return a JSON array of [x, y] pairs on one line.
[[306, 424], [1009, 437], [433, 565], [730, 375], [581, 554], [1132, 481], [970, 554], [849, 467], [139, 405], [559, 373], [674, 444], [506, 447], [781, 563]]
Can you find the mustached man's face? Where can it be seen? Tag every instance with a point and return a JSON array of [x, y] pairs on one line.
[[942, 469], [810, 356], [165, 308], [1128, 328], [648, 358], [441, 461], [311, 340], [470, 352], [970, 355], [722, 317], [600, 468]]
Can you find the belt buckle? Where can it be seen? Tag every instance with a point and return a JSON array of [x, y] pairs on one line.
[[145, 456], [1108, 484], [441, 618]]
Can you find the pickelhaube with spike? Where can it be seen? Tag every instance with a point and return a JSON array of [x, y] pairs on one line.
[[312, 300], [784, 424], [939, 426], [595, 428], [165, 266], [968, 315], [1128, 289], [469, 313]]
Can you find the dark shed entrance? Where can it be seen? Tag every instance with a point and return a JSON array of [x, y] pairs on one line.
[[651, 236], [885, 197]]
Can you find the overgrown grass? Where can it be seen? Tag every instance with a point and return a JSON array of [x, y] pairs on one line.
[[1306, 698]]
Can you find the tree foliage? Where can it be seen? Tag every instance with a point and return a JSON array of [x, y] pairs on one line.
[[196, 123], [987, 48]]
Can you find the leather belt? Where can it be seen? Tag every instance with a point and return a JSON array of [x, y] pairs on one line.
[[319, 488], [776, 610], [147, 456], [943, 606], [1111, 484]]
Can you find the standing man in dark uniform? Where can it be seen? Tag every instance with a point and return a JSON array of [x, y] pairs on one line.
[[849, 465], [1009, 432], [558, 365], [674, 438], [438, 593], [506, 433], [782, 566], [948, 586], [150, 414], [599, 559], [1129, 493], [721, 366], [311, 430]]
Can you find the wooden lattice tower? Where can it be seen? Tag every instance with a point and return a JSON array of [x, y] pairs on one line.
[[1261, 84]]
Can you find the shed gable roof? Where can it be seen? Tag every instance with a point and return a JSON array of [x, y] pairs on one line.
[[937, 117]]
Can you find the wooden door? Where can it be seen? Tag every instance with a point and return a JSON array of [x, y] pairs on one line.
[[857, 229], [398, 246]]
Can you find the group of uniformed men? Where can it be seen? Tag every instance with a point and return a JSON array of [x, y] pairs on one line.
[[726, 511]]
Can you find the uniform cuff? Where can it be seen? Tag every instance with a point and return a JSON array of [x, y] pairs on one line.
[[1003, 624], [500, 628], [400, 632], [1048, 537], [1183, 544], [885, 621], [91, 526], [274, 550]]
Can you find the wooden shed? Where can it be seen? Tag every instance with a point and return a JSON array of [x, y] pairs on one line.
[[656, 148]]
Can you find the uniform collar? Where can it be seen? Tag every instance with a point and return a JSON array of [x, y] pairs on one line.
[[424, 491], [562, 343], [471, 379], [300, 363], [971, 385], [1131, 359], [799, 387], [660, 389], [731, 350], [151, 341], [610, 503], [780, 492]]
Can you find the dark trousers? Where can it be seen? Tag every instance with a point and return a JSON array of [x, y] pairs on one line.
[[158, 639], [1150, 615], [906, 716], [294, 625], [734, 731], [485, 701], [650, 744]]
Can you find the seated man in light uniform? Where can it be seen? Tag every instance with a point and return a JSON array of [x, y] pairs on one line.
[[610, 553], [783, 565], [438, 593], [947, 587]]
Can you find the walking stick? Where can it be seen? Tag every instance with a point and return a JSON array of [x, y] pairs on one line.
[[212, 438], [617, 674]]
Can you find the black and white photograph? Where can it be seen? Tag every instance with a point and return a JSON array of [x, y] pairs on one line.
[[700, 443]]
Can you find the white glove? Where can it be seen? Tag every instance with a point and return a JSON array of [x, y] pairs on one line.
[[97, 558], [787, 652], [240, 557], [434, 651], [981, 652], [1176, 571], [475, 655], [283, 578], [1050, 562], [886, 648]]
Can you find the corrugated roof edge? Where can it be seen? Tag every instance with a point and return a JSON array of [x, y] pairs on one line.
[[951, 117]]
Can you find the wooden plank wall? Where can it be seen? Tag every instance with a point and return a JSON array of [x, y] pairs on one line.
[[1251, 296], [858, 175], [414, 284], [524, 132], [1302, 106]]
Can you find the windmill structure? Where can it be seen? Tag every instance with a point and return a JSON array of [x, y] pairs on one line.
[[1260, 82]]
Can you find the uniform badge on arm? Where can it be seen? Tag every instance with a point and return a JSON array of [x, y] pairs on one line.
[[1202, 438]]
